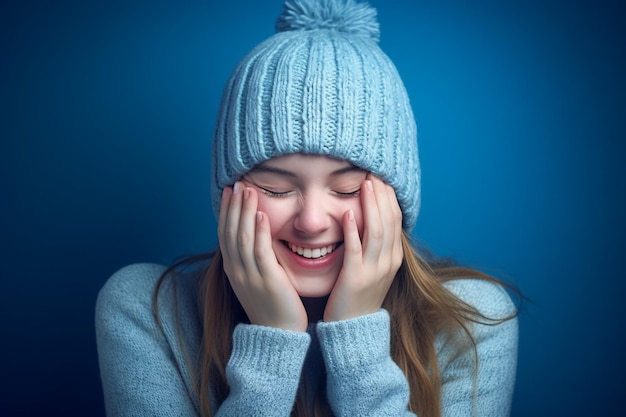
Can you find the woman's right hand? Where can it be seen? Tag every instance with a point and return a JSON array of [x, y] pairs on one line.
[[259, 282]]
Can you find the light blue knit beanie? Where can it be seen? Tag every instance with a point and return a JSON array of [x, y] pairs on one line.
[[320, 85]]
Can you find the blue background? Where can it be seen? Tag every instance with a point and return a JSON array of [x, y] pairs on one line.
[[105, 123]]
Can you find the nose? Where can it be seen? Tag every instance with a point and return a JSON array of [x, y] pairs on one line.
[[314, 216]]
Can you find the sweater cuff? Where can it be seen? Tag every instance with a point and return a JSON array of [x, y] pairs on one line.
[[270, 351], [354, 345]]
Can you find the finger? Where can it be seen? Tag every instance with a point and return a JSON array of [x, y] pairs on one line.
[[391, 219], [385, 199], [381, 191], [227, 192], [353, 249], [227, 196], [373, 228], [228, 241], [263, 250], [247, 229], [398, 251]]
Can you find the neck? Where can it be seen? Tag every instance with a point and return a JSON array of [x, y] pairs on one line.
[[314, 308]]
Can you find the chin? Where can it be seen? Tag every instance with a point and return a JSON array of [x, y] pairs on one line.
[[313, 289]]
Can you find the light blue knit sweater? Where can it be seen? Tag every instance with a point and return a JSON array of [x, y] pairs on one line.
[[145, 372]]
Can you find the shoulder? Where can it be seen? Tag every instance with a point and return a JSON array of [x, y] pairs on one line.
[[124, 304], [132, 285], [478, 368], [144, 360], [130, 291], [489, 298], [133, 277], [493, 333]]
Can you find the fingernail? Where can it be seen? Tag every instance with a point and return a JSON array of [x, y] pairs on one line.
[[369, 186], [351, 215], [259, 216], [236, 187], [246, 193]]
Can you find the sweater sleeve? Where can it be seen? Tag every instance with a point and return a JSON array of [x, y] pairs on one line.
[[147, 370], [263, 371], [362, 378], [480, 382], [141, 374]]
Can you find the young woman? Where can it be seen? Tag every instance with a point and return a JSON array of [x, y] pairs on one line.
[[316, 302]]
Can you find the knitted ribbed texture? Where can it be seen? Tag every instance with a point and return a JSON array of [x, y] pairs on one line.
[[358, 364], [320, 86], [264, 358], [287, 351], [371, 331]]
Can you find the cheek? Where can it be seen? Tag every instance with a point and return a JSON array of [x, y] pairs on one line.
[[276, 213]]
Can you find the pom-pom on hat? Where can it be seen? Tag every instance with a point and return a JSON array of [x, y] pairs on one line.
[[320, 85]]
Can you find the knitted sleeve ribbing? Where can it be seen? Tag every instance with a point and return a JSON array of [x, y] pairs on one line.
[[362, 380], [146, 369], [263, 371]]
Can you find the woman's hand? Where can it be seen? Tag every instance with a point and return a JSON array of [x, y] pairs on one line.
[[370, 264], [260, 283]]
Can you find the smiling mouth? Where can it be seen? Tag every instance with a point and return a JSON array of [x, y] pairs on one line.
[[311, 253]]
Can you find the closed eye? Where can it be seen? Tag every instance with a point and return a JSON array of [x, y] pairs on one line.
[[268, 192], [275, 194], [355, 193]]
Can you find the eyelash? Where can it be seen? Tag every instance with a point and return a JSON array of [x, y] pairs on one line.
[[284, 194], [355, 193], [274, 194]]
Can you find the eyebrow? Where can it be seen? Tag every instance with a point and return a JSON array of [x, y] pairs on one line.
[[274, 170]]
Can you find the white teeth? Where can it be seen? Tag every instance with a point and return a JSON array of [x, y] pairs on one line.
[[311, 253]]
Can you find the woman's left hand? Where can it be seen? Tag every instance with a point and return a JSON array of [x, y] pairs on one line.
[[370, 264]]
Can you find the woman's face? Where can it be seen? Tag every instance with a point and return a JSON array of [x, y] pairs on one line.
[[305, 198]]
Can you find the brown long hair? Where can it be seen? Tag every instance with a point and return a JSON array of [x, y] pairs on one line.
[[419, 305]]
